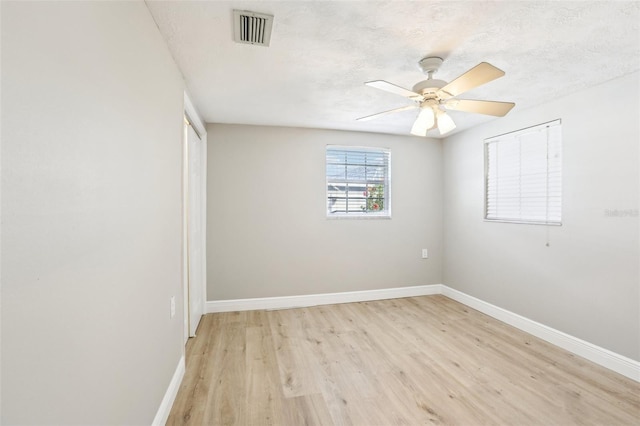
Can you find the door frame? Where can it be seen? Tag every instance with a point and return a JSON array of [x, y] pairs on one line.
[[191, 114]]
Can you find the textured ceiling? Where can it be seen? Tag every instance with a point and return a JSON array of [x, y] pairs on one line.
[[322, 52]]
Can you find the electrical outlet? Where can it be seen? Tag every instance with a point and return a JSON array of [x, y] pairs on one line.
[[425, 254], [173, 306]]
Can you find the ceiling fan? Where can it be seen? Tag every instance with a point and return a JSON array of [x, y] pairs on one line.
[[433, 97]]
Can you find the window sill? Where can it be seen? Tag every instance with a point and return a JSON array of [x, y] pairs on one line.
[[358, 216], [523, 222]]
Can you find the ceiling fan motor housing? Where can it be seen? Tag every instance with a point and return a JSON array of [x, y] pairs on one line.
[[430, 86]]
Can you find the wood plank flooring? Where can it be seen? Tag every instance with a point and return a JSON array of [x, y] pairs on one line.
[[414, 361]]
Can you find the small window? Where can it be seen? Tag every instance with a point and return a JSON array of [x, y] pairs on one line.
[[523, 175], [358, 182]]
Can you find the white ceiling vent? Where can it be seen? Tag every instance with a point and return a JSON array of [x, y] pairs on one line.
[[252, 27]]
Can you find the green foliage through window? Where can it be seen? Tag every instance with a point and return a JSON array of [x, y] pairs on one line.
[[375, 198]]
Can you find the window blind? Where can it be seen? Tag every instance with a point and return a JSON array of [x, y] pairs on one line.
[[358, 181], [523, 175]]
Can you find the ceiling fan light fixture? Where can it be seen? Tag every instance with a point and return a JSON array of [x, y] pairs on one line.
[[445, 122], [425, 121], [416, 131]]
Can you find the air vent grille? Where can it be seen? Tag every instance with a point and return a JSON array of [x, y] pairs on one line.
[[252, 28]]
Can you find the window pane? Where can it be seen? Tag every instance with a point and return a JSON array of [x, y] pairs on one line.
[[356, 172], [336, 171]]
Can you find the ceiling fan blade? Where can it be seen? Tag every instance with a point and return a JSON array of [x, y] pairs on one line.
[[476, 76], [371, 117], [495, 108], [445, 123], [425, 121], [392, 88]]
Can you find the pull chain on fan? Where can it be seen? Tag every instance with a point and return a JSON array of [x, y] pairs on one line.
[[433, 96]]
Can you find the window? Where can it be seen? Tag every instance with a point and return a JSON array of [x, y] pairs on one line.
[[523, 175], [358, 182]]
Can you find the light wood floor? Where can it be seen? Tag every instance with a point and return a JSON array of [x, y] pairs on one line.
[[414, 361]]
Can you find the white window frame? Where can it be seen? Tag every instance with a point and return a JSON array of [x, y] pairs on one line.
[[552, 182], [384, 214]]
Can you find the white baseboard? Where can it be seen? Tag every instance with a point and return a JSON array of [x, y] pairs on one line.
[[288, 302], [170, 395], [601, 356]]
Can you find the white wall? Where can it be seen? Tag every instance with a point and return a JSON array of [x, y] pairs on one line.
[[91, 213], [586, 283], [268, 234]]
